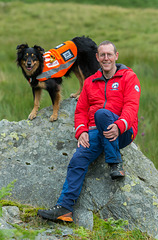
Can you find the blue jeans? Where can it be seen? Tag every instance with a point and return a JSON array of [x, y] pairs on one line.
[[81, 159]]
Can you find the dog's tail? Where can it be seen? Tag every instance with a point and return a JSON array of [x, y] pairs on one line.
[[86, 58]]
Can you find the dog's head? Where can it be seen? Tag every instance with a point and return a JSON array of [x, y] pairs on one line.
[[29, 59]]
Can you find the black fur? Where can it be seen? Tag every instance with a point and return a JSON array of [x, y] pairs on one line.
[[22, 50], [86, 61]]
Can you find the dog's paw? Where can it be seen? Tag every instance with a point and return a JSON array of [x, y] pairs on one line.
[[77, 97], [74, 95], [54, 117], [32, 116]]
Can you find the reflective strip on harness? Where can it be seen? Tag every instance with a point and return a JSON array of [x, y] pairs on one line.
[[58, 61]]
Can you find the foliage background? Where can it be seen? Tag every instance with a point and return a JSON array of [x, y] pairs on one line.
[[132, 26]]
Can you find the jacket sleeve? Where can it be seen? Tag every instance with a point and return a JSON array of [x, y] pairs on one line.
[[131, 103], [81, 112]]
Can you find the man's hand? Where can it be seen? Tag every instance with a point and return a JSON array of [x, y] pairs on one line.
[[113, 133], [84, 140]]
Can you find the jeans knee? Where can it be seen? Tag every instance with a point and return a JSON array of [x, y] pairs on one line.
[[101, 114]]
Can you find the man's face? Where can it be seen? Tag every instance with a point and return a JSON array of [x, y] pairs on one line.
[[107, 58]]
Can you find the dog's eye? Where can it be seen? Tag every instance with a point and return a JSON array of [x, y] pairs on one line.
[[33, 57], [26, 56]]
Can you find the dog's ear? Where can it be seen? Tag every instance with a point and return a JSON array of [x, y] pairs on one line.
[[21, 47], [39, 49]]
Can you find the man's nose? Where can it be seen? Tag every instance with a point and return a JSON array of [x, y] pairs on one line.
[[106, 56]]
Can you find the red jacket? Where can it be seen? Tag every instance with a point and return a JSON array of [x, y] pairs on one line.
[[120, 94]]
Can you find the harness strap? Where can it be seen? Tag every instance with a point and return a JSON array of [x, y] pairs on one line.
[[58, 61], [50, 73]]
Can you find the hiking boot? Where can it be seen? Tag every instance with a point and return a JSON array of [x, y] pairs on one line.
[[56, 213], [116, 170]]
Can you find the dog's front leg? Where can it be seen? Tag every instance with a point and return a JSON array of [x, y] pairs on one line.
[[37, 96], [56, 105]]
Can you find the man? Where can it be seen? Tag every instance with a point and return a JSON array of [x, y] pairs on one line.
[[105, 120]]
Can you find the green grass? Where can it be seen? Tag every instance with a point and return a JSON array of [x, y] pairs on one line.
[[110, 229], [122, 3], [135, 33]]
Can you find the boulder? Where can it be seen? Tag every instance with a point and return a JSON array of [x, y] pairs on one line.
[[36, 153]]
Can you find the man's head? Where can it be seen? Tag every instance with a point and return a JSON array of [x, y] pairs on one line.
[[107, 55]]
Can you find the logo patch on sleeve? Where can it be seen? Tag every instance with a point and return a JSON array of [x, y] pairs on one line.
[[137, 88]]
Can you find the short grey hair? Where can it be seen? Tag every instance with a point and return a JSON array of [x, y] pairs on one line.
[[106, 42]]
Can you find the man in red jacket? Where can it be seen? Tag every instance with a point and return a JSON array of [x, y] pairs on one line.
[[106, 120]]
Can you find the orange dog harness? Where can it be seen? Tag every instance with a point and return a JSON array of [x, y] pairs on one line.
[[58, 61]]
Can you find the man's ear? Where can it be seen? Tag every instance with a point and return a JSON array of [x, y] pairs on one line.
[[97, 57], [117, 55]]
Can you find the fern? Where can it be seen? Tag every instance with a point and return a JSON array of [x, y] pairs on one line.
[[5, 191]]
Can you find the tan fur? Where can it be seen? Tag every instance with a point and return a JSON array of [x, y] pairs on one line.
[[41, 85], [34, 66], [37, 98], [56, 106], [78, 73]]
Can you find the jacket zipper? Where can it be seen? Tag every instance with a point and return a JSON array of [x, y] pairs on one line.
[[105, 94]]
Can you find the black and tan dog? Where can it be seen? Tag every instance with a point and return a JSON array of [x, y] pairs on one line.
[[45, 70]]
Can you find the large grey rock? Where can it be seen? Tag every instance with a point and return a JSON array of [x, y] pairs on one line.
[[11, 214], [37, 153]]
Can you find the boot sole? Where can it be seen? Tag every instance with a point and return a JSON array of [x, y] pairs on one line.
[[66, 217], [117, 176]]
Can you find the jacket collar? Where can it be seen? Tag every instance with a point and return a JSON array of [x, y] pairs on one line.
[[118, 73]]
